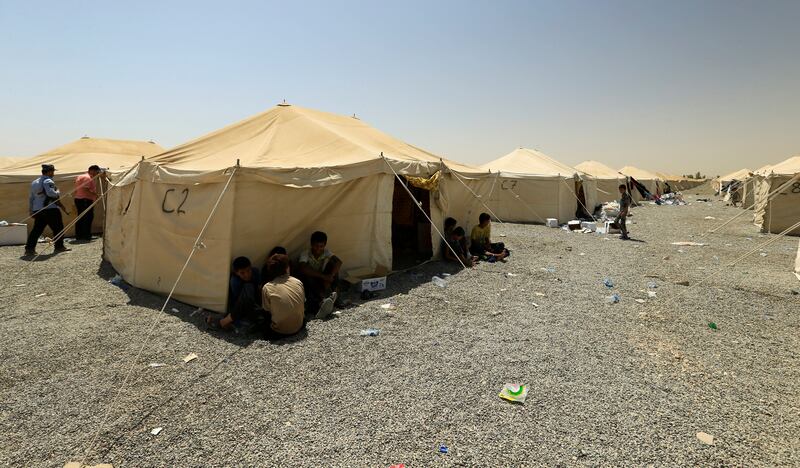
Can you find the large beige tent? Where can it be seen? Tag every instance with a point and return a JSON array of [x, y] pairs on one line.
[[532, 186], [70, 160], [740, 175], [797, 262], [6, 161], [648, 179], [608, 179], [290, 171], [777, 197]]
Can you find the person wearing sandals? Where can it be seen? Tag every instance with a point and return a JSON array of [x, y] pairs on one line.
[[283, 299], [319, 272], [243, 296]]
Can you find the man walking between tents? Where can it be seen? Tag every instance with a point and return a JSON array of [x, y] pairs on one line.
[[45, 207], [85, 195]]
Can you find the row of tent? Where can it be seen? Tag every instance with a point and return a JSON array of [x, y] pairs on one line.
[[275, 177], [772, 192]]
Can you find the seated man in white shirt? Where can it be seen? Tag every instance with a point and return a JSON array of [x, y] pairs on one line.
[[319, 271]]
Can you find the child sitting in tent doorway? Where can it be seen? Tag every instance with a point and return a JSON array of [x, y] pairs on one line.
[[283, 299], [319, 272], [481, 241], [449, 225], [244, 297]]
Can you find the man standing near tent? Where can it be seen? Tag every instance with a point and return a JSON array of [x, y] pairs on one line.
[[85, 195], [624, 206], [45, 207]]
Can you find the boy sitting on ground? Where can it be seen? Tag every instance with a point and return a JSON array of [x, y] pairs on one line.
[[283, 298], [453, 250], [319, 271], [243, 297], [449, 226], [481, 241]]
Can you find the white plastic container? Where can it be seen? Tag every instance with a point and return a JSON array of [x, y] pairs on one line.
[[13, 234], [552, 222]]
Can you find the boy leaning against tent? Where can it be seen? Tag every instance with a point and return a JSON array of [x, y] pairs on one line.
[[454, 246]]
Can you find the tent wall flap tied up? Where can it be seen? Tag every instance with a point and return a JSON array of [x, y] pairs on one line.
[[70, 160], [531, 186], [299, 170]]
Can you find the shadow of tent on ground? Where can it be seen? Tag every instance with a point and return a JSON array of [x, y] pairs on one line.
[[397, 283]]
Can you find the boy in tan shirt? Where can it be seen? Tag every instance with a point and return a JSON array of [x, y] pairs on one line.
[[283, 299]]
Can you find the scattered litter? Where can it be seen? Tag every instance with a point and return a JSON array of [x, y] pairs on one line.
[[709, 217], [387, 306], [608, 282], [665, 258], [612, 299], [640, 301], [707, 439], [156, 430], [503, 289], [40, 295], [728, 245], [398, 465], [712, 325], [652, 285], [534, 304], [515, 393], [190, 357], [581, 254], [680, 251], [337, 313], [81, 465], [682, 283], [689, 244], [175, 310], [763, 254], [539, 294], [370, 332], [442, 283], [509, 275], [496, 313], [549, 269], [749, 238], [443, 449], [651, 294], [795, 292], [501, 235], [197, 310], [157, 364], [20, 285]]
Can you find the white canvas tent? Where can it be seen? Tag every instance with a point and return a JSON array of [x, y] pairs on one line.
[[740, 175], [749, 189], [646, 178], [290, 171], [546, 188], [608, 180], [777, 197], [70, 160]]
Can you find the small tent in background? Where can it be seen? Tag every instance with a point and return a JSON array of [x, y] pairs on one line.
[[532, 186], [648, 179], [777, 197], [70, 160], [749, 190], [290, 171], [608, 180], [740, 175], [6, 161]]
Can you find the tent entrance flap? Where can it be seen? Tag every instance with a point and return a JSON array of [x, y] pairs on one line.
[[411, 231], [581, 212]]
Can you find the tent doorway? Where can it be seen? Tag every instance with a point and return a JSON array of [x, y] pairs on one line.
[[581, 212], [411, 231]]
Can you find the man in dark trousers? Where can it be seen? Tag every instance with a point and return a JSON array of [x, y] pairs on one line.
[[85, 195], [624, 205], [45, 207]]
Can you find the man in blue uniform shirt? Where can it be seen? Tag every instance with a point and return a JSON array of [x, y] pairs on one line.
[[43, 204]]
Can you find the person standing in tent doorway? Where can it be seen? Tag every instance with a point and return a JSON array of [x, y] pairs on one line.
[[319, 271], [481, 241], [624, 206], [45, 207], [85, 195]]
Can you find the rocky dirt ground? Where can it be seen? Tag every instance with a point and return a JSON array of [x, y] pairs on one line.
[[630, 383]]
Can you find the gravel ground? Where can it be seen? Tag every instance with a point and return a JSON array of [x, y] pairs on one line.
[[609, 384]]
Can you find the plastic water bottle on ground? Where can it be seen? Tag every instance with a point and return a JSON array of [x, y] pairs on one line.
[[608, 282], [442, 283], [612, 299]]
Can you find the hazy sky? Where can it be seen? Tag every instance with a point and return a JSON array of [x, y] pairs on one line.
[[676, 86]]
